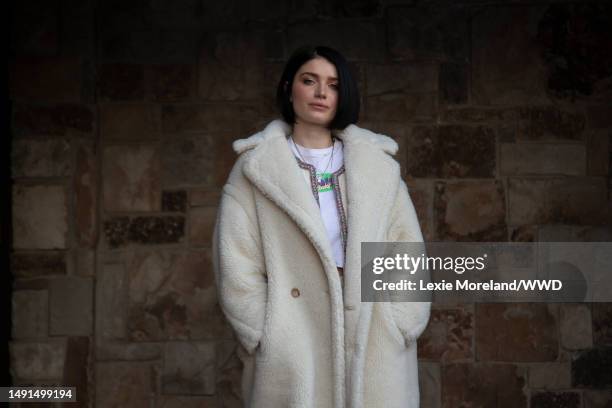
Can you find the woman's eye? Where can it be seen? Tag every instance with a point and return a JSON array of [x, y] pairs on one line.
[[308, 81], [335, 86]]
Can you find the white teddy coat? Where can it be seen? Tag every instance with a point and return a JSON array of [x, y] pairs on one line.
[[319, 348]]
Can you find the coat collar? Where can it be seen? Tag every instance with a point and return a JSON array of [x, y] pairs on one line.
[[372, 178]]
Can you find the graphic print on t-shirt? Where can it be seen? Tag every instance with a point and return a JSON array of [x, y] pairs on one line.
[[325, 182]]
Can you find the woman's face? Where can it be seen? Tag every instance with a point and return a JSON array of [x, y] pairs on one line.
[[315, 92]]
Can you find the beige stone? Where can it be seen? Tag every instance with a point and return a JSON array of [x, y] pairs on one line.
[[71, 306], [201, 225], [130, 121], [131, 178], [39, 217], [38, 360], [30, 314], [575, 326], [553, 376], [122, 384], [535, 158]]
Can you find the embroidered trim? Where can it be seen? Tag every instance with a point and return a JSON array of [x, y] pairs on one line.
[[338, 195]]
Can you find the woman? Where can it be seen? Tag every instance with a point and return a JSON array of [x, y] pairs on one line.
[[302, 196]]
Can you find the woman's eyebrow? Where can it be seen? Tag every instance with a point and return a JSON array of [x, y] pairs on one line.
[[315, 75]]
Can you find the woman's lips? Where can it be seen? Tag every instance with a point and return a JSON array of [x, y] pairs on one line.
[[318, 107]]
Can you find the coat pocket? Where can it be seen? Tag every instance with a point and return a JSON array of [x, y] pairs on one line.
[[392, 326]]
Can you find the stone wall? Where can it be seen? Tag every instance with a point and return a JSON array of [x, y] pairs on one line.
[[123, 114]]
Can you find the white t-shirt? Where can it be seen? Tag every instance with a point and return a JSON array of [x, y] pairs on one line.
[[321, 159]]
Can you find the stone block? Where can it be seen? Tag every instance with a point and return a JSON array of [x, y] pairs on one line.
[[131, 178], [30, 315], [358, 39], [428, 33], [389, 78], [532, 158], [176, 401], [71, 306], [38, 30], [38, 264], [592, 368], [124, 384], [57, 79], [77, 28], [470, 211], [41, 158], [507, 66], [448, 336], [120, 231], [473, 115], [53, 120], [188, 160], [174, 201], [555, 399], [113, 351], [454, 83], [172, 297], [189, 368], [82, 262], [170, 82], [599, 117], [207, 118], [229, 373], [201, 225], [121, 82], [399, 106], [111, 302], [575, 326], [574, 233], [451, 151], [39, 217], [550, 376], [86, 196], [598, 152], [430, 385], [602, 324], [550, 123], [597, 399], [38, 360], [204, 197], [130, 122], [231, 66], [501, 330], [483, 385], [77, 368], [577, 200]]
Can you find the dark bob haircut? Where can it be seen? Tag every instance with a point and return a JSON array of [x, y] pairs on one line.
[[348, 94]]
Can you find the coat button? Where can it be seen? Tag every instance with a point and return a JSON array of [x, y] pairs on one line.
[[295, 292], [349, 307]]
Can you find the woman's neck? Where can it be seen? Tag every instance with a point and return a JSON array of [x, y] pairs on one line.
[[312, 136]]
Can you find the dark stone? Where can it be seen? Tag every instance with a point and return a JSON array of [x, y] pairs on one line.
[[555, 400], [170, 82], [156, 230], [116, 231], [593, 368], [76, 367], [550, 123], [55, 120], [602, 324], [30, 265], [479, 115], [121, 82], [451, 151], [37, 30], [348, 8], [454, 83], [120, 231], [575, 41], [175, 201], [428, 32], [483, 385]]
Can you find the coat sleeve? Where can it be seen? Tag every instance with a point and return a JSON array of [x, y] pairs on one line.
[[410, 317], [239, 267]]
